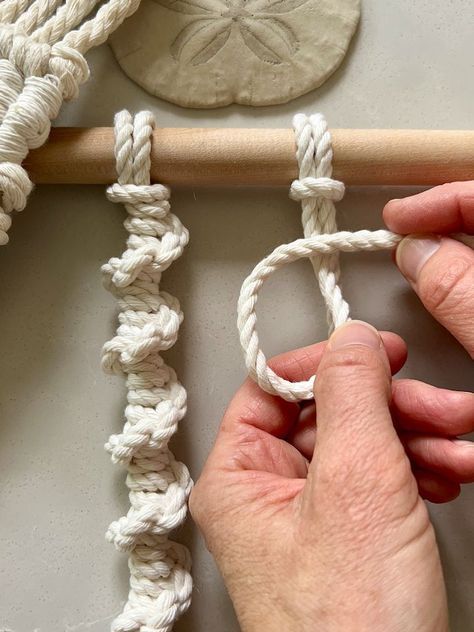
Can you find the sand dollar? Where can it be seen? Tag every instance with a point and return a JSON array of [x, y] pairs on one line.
[[209, 53]]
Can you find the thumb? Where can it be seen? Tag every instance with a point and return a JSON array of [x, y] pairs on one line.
[[357, 450], [353, 388], [441, 271]]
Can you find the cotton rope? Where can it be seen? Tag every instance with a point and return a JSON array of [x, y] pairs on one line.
[[317, 192], [160, 582], [42, 48]]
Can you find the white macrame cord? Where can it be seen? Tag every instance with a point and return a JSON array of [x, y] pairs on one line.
[[160, 582], [317, 191], [42, 48]]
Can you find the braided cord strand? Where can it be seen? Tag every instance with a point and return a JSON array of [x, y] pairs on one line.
[[41, 65], [160, 581]]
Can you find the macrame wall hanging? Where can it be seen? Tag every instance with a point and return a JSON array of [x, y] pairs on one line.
[[210, 53], [42, 48]]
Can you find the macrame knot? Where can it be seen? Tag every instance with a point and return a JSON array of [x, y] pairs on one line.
[[70, 67], [15, 186], [142, 333], [42, 48], [314, 188], [144, 200], [160, 583], [138, 194], [30, 58], [37, 59], [151, 512], [34, 77]]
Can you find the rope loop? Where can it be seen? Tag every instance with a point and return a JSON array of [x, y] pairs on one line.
[[255, 359], [138, 194], [315, 188], [70, 67], [317, 191], [15, 186]]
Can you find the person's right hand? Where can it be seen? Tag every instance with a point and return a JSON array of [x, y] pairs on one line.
[[440, 269]]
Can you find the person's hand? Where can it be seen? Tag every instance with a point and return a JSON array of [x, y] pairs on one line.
[[342, 541], [317, 522], [440, 269]]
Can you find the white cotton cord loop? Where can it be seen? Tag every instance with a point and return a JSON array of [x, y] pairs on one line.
[[160, 582], [41, 65], [288, 253], [317, 191]]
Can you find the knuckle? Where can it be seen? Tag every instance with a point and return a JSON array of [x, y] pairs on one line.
[[448, 287], [341, 365], [450, 189], [198, 504], [348, 357], [299, 364]]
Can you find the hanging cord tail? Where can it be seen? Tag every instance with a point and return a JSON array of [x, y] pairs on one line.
[[41, 65], [160, 583], [317, 191]]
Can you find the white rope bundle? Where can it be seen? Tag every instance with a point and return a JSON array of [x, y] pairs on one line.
[[317, 192], [42, 47], [160, 584]]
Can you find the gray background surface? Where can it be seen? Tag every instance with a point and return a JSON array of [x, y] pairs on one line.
[[411, 65]]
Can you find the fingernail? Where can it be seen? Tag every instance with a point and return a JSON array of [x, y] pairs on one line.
[[414, 252], [355, 332], [469, 445]]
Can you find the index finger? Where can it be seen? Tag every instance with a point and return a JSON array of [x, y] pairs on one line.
[[250, 405], [445, 209], [271, 415]]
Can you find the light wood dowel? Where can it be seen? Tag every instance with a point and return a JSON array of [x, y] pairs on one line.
[[263, 157]]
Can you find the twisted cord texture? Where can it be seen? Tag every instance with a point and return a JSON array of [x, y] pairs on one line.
[[41, 65], [160, 584], [317, 192]]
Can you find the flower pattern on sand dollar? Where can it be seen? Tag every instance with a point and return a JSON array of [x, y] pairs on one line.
[[268, 37]]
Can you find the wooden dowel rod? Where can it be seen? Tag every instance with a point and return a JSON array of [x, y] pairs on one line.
[[263, 157]]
